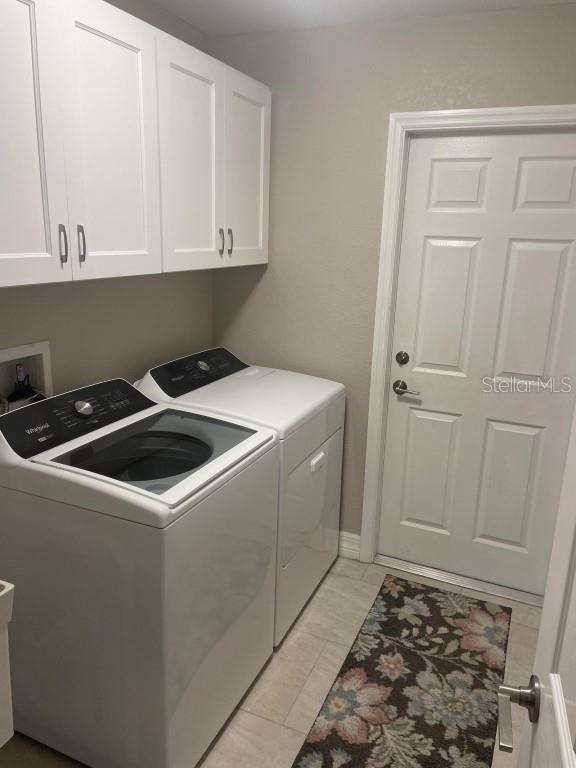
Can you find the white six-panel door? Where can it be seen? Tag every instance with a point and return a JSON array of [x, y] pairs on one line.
[[112, 141], [191, 108], [247, 169], [33, 207], [486, 290]]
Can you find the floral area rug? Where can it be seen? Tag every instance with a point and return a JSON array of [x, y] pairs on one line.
[[419, 686]]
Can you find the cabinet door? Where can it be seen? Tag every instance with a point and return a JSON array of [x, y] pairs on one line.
[[191, 104], [247, 169], [112, 142], [33, 210]]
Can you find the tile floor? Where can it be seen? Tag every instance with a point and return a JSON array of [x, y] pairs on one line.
[[270, 726]]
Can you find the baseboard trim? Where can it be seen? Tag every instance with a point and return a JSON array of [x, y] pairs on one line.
[[349, 545], [459, 581]]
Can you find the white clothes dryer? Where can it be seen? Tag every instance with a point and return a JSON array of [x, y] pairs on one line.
[[142, 542], [308, 414]]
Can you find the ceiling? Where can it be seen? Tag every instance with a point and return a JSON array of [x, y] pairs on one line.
[[225, 17]]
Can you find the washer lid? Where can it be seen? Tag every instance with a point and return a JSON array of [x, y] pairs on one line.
[[282, 400], [157, 452], [167, 455], [112, 440]]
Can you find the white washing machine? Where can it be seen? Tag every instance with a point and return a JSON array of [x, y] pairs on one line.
[[142, 542], [308, 415]]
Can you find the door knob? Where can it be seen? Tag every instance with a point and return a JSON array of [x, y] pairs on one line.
[[528, 698], [401, 388]]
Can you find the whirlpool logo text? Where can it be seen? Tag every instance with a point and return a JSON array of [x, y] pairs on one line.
[[38, 428]]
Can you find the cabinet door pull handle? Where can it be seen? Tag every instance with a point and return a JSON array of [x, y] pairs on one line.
[[81, 244], [63, 241], [231, 236], [222, 241]]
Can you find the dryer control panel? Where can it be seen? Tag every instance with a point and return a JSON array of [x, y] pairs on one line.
[[194, 371], [57, 420]]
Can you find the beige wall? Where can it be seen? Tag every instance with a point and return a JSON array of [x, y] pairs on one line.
[[107, 328], [312, 309]]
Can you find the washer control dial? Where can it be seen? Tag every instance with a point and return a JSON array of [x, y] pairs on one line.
[[203, 366], [83, 409]]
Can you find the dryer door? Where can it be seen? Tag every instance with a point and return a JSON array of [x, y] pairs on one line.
[[310, 518], [308, 529]]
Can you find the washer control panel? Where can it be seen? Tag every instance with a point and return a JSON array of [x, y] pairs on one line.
[[194, 371], [56, 420]]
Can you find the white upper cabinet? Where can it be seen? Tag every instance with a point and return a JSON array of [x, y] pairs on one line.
[[112, 142], [247, 169], [123, 151], [33, 206], [214, 159], [191, 107]]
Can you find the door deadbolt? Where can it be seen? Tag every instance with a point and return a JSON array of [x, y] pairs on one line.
[[402, 357]]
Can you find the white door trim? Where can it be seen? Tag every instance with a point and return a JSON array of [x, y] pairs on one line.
[[402, 128]]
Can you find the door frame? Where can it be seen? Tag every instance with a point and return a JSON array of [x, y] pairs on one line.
[[403, 127]]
